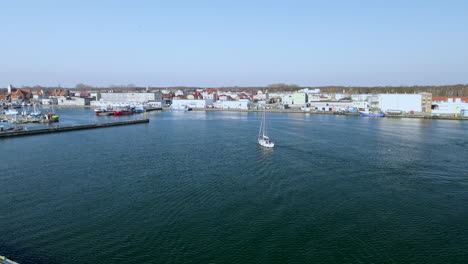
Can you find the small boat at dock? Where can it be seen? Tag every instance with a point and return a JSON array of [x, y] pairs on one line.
[[11, 112], [103, 112], [181, 108], [369, 113], [125, 111], [140, 109]]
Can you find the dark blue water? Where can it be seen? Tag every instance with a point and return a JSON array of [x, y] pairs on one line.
[[195, 187]]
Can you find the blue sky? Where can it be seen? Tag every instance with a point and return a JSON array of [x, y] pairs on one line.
[[224, 43]]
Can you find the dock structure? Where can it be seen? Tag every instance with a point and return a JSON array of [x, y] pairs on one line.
[[149, 109], [16, 133]]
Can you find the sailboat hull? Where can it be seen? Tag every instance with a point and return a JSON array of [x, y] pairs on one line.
[[265, 144]]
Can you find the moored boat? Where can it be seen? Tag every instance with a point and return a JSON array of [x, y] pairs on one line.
[[371, 113], [103, 112], [181, 108], [11, 112], [35, 112], [140, 109], [125, 111]]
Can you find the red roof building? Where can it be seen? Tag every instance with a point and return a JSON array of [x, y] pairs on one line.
[[21, 94], [445, 98]]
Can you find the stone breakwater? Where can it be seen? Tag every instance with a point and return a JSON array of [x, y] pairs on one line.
[[25, 132]]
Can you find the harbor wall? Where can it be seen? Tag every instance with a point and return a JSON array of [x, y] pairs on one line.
[[69, 128]]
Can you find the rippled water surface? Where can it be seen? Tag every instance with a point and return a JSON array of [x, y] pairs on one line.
[[195, 187]]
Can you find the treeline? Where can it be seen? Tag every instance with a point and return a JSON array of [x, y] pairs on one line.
[[442, 90]]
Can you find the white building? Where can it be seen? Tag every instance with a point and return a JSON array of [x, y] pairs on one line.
[[362, 97], [451, 106], [49, 101], [261, 96], [242, 104], [195, 103], [338, 96], [154, 104], [331, 106], [309, 91], [226, 96], [402, 102], [358, 105], [130, 98], [73, 101], [210, 93], [313, 98], [288, 99], [277, 94]]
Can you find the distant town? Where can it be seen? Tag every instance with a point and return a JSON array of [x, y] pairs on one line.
[[274, 97]]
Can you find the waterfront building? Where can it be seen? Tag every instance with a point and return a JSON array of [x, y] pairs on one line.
[[18, 95], [401, 102], [38, 95], [137, 98], [196, 103], [299, 98], [277, 95], [332, 106], [339, 96], [154, 104], [59, 92], [450, 105], [295, 99], [426, 102], [74, 100], [261, 95], [179, 93], [242, 104], [224, 97], [96, 95], [49, 101], [361, 105], [210, 93], [313, 97], [362, 97], [288, 99]]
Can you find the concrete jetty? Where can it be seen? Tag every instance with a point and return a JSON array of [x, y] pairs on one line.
[[57, 129]]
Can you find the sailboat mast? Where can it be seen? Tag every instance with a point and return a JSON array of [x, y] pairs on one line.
[[261, 128]]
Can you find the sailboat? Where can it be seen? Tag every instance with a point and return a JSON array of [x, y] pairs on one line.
[[35, 112], [263, 139]]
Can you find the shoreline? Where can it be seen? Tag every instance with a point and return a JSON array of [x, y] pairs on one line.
[[419, 116], [293, 111]]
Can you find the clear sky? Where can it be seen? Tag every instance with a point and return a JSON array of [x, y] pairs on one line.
[[239, 42]]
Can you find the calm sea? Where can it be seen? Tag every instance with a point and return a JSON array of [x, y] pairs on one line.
[[195, 187]]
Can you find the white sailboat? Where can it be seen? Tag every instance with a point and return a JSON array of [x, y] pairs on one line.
[[263, 139], [35, 112]]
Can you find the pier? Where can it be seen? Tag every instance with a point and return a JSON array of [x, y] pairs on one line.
[[57, 129]]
